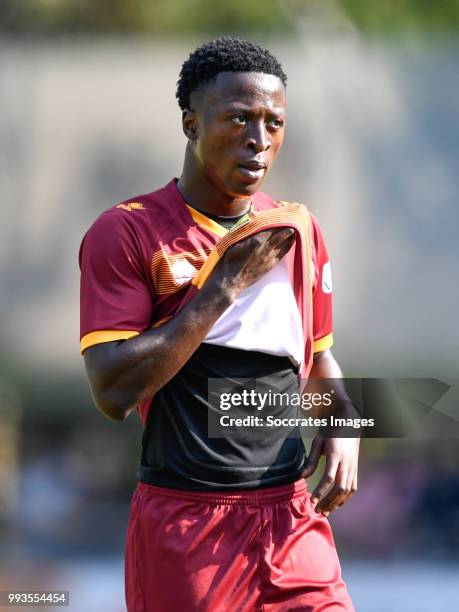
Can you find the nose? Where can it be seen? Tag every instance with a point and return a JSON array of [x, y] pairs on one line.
[[258, 137]]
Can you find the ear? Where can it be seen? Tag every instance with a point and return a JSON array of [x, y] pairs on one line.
[[190, 124]]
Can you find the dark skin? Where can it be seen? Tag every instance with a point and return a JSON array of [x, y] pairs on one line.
[[235, 129]]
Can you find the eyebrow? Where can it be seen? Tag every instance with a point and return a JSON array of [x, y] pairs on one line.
[[242, 108]]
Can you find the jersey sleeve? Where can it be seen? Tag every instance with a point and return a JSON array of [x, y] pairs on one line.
[[322, 293], [116, 296]]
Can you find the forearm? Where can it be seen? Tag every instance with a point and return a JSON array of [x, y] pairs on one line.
[[326, 377], [340, 445], [324, 365], [124, 374]]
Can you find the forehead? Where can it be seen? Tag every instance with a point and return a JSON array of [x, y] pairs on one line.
[[247, 88]]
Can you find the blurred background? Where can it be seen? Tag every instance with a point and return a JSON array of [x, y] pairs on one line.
[[88, 118]]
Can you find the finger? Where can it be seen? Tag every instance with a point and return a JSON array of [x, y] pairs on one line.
[[327, 479], [272, 239], [338, 495], [274, 235], [256, 241], [346, 499], [285, 246], [352, 479], [282, 235], [314, 456], [268, 241], [279, 235], [354, 483]]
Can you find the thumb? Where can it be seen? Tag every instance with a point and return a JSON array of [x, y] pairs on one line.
[[314, 456]]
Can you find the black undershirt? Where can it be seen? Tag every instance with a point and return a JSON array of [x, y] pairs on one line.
[[226, 222], [177, 451]]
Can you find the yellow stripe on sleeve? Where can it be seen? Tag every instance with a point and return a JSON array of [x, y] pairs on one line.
[[98, 337], [323, 344]]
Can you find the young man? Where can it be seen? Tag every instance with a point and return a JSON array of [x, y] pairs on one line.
[[215, 523]]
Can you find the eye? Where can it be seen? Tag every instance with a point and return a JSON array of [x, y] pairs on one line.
[[276, 123], [239, 119]]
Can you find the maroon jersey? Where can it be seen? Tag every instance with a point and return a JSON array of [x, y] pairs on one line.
[[138, 257]]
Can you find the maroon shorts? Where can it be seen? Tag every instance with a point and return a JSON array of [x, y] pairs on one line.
[[264, 549]]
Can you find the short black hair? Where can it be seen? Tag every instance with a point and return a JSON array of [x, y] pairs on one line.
[[224, 54]]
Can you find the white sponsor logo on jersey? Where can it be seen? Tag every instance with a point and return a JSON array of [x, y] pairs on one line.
[[327, 278], [183, 271]]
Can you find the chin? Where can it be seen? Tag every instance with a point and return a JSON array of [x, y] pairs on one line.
[[246, 189]]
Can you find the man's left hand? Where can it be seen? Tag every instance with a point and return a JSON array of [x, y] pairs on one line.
[[339, 481]]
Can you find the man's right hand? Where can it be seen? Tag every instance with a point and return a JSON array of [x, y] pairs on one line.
[[247, 261]]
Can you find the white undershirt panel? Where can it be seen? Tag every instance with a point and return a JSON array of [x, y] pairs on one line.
[[264, 317]]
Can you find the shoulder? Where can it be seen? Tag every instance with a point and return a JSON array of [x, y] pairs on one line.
[[264, 202], [111, 228], [141, 217], [159, 207]]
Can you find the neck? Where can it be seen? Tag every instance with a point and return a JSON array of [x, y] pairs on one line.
[[200, 193]]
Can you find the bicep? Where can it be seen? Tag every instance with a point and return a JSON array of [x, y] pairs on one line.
[[116, 296], [100, 360], [104, 363]]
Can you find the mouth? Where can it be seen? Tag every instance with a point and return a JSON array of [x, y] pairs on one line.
[[254, 170]]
